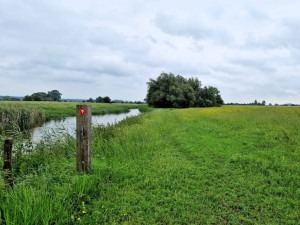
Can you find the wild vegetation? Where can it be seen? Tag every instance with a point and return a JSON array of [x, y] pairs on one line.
[[170, 91], [228, 165], [19, 117]]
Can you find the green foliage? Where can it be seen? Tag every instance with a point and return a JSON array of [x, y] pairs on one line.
[[99, 99], [106, 99], [53, 95], [90, 100], [27, 98], [170, 91], [15, 118], [210, 97]]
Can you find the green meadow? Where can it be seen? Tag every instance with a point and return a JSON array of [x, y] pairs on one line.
[[225, 165]]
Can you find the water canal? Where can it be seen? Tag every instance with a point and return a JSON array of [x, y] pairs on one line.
[[68, 125]]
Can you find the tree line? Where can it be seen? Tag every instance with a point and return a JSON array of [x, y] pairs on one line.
[[263, 103], [53, 95], [100, 99], [175, 91]]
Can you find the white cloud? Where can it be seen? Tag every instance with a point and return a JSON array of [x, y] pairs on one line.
[[248, 49]]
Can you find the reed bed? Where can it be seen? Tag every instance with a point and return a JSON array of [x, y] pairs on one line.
[[19, 117]]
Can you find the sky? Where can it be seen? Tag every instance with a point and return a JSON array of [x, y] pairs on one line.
[[248, 49]]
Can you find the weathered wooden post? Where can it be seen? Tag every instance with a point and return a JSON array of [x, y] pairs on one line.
[[7, 162], [83, 136]]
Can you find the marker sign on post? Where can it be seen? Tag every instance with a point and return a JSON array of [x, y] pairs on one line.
[[83, 137], [81, 111]]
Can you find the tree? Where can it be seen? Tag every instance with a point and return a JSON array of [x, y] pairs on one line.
[[90, 100], [106, 99], [170, 91], [39, 96], [54, 95], [99, 99], [27, 98], [211, 96]]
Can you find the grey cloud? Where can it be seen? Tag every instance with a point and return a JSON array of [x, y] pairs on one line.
[[131, 49], [256, 13], [259, 64], [91, 68], [197, 47], [108, 37], [291, 37], [169, 44], [38, 22], [193, 28], [152, 39], [174, 26], [75, 77], [286, 35]]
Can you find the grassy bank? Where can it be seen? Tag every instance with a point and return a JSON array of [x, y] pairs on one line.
[[228, 165], [19, 116], [58, 110]]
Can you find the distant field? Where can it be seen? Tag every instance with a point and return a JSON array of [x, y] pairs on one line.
[[226, 165]]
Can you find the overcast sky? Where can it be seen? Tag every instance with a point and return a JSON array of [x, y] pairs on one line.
[[248, 49]]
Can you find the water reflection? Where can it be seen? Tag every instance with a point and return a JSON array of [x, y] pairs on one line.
[[68, 125]]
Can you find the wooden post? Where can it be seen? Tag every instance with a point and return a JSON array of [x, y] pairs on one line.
[[83, 136], [7, 162]]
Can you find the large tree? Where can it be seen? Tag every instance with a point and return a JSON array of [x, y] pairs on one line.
[[54, 95], [175, 91], [106, 99], [99, 99]]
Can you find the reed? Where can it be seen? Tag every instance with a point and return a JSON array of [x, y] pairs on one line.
[[20, 117]]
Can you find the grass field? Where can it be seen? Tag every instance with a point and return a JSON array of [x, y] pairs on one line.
[[227, 165]]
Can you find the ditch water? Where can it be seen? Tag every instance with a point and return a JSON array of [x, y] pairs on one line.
[[68, 125]]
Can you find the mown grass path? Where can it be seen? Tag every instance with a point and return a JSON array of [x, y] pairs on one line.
[[229, 165]]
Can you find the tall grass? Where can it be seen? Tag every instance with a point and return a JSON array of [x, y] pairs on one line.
[[19, 117], [228, 165]]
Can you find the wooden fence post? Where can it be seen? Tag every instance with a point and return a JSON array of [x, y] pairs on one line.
[[7, 162], [83, 136]]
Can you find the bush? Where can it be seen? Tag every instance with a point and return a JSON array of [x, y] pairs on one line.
[[170, 91]]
